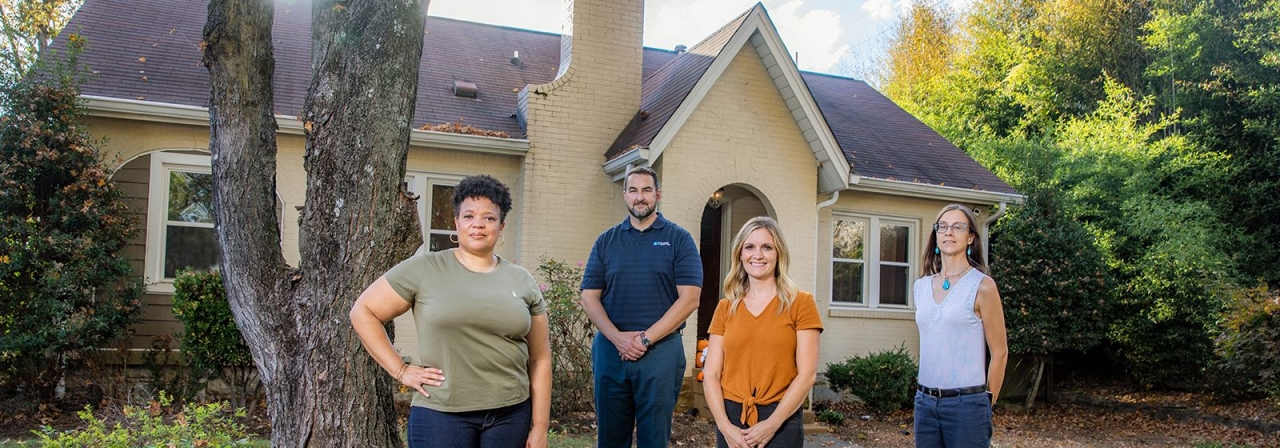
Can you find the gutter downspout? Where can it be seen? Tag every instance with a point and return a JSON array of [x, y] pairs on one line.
[[986, 230], [817, 225]]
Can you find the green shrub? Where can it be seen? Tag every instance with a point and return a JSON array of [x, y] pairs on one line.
[[1249, 347], [1167, 322], [195, 426], [170, 372], [885, 380], [831, 417], [66, 286], [571, 334], [1053, 280], [211, 341]]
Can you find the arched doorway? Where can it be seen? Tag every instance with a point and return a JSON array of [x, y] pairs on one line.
[[725, 212]]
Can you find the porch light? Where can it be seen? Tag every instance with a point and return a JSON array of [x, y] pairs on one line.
[[714, 202]]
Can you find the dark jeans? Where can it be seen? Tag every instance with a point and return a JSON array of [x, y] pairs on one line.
[[636, 395], [953, 422], [502, 427], [790, 434]]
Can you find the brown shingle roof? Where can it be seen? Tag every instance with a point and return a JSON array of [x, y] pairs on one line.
[[663, 91], [885, 142], [159, 40]]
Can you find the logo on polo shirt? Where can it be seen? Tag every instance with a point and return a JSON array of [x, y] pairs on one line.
[[661, 243]]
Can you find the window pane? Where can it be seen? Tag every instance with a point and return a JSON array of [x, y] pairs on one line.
[[189, 247], [894, 240], [190, 197], [846, 282], [846, 239], [441, 208], [893, 285], [440, 242]]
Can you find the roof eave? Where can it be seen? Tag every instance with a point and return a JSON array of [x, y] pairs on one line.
[[618, 167], [934, 192], [107, 107]]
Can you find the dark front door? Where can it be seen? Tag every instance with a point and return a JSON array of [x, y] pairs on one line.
[[711, 276]]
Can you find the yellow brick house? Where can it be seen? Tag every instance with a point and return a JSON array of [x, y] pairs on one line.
[[734, 129]]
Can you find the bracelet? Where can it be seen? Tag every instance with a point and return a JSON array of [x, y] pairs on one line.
[[400, 374]]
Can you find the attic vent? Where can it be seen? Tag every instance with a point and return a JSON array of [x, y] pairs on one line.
[[680, 49], [465, 89]]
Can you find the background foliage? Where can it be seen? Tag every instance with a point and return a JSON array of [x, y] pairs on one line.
[[65, 284], [1249, 347], [571, 334], [1145, 135], [211, 341]]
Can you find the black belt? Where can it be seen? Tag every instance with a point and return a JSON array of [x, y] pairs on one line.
[[944, 393]]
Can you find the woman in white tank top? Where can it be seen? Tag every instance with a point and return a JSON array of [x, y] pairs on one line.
[[960, 320]]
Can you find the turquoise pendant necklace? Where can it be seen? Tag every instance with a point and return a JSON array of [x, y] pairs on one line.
[[946, 279]]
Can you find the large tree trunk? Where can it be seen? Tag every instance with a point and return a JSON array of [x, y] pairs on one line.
[[322, 389]]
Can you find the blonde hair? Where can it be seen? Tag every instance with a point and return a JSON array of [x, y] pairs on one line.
[[736, 282]]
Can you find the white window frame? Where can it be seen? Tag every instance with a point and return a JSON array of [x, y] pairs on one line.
[[871, 262], [420, 183], [163, 163]]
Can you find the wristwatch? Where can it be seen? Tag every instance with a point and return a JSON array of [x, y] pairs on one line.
[[644, 340]]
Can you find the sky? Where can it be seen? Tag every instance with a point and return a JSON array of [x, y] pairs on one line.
[[830, 36]]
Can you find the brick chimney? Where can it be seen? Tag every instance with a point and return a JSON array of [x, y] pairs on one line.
[[571, 122], [601, 52]]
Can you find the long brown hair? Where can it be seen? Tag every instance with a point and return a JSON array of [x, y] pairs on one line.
[[933, 261], [736, 282]]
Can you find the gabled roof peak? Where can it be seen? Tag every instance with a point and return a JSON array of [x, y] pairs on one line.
[[671, 94]]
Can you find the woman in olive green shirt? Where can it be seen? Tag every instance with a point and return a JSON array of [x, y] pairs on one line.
[[483, 370]]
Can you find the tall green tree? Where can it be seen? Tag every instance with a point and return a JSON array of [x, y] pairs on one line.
[[65, 284], [1128, 182], [1158, 121], [919, 54], [322, 389], [1219, 64], [27, 27], [1054, 283]]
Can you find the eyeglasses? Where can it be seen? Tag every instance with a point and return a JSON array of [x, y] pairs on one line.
[[958, 227]]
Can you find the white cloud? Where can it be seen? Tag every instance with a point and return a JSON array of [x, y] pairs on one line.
[[815, 35], [672, 22], [886, 9]]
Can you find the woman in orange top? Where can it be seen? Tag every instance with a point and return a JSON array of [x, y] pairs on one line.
[[763, 355]]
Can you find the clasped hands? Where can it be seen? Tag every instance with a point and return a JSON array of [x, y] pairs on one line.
[[628, 345], [753, 437]]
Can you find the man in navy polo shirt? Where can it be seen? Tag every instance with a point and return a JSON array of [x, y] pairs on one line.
[[641, 283]]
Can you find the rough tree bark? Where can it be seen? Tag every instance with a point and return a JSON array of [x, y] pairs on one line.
[[321, 387]]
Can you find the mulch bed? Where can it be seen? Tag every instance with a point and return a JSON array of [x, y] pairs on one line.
[[1087, 412], [1090, 412]]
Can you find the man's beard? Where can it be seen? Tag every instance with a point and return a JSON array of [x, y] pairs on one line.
[[638, 214]]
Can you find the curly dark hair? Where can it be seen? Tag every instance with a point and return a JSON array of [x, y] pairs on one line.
[[483, 186]]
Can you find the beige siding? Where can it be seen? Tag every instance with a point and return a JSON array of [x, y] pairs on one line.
[[134, 179]]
